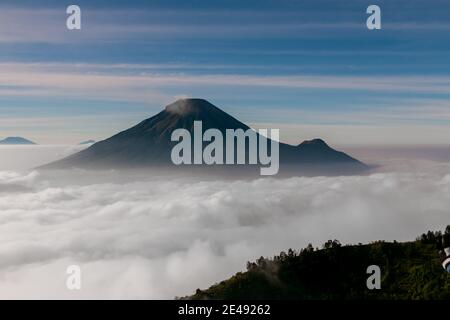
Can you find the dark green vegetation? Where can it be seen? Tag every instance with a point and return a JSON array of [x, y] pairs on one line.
[[410, 270]]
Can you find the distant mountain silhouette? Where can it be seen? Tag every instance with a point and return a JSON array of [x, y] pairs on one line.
[[87, 142], [149, 142], [16, 140]]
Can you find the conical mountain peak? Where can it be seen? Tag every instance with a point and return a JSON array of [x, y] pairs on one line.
[[314, 142], [149, 142], [190, 106]]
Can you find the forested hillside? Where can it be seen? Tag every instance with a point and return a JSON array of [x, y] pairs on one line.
[[410, 270]]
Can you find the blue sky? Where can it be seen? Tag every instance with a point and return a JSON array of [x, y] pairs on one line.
[[310, 68]]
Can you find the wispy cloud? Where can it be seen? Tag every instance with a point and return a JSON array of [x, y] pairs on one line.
[[93, 82], [128, 83], [18, 25]]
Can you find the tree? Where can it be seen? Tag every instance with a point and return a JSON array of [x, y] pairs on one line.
[[332, 244], [336, 244], [291, 253], [251, 266], [261, 262], [328, 244]]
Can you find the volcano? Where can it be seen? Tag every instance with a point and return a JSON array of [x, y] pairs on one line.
[[149, 143]]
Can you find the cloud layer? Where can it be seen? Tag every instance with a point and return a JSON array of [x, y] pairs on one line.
[[165, 236]]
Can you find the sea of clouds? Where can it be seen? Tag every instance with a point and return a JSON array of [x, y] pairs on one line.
[[157, 236]]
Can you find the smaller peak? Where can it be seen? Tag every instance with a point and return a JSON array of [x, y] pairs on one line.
[[314, 142], [16, 140], [189, 105]]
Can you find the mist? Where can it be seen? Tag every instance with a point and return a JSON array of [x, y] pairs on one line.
[[13, 157], [153, 235]]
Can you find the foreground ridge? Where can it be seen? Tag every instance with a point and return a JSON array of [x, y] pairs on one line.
[[409, 270]]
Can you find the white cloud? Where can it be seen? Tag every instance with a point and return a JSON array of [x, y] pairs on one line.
[[163, 236]]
